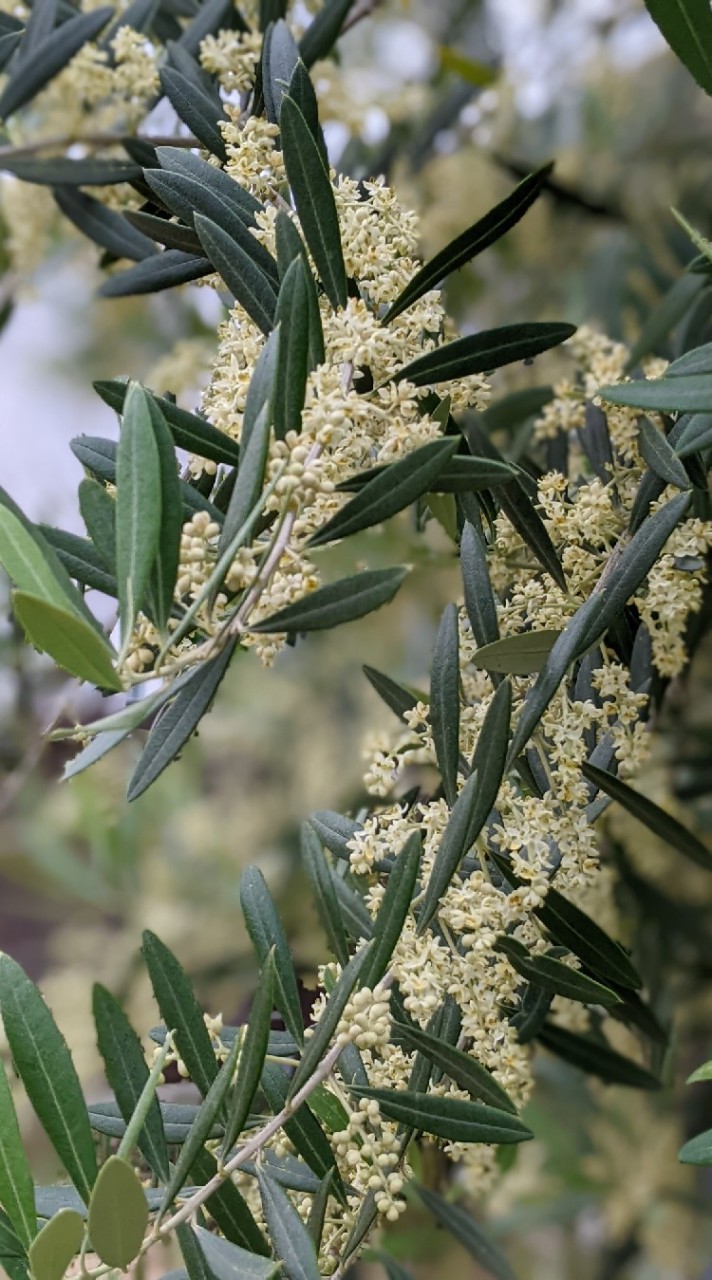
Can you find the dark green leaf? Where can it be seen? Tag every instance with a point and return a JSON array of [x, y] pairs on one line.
[[178, 722], [444, 712], [57, 1243], [292, 1243], [49, 56], [314, 200], [189, 431], [478, 237], [81, 560], [335, 831], [519, 655], [303, 1129], [250, 476], [687, 27], [664, 317], [324, 30], [193, 1256], [553, 975], [302, 92], [357, 921], [391, 490], [178, 1119], [396, 698], [461, 474], [688, 394], [393, 909], [698, 1150], [179, 1008], [127, 1073], [138, 506], [596, 1059], [461, 1224], [104, 226], [325, 1029], [661, 457], [211, 16], [339, 602], [195, 108], [60, 172], [202, 1126], [451, 1118], [228, 1207], [160, 271], [279, 58], [516, 408], [44, 1065], [326, 901], [243, 277], [571, 927], [165, 569], [293, 317], [479, 597], [16, 1190], [188, 184], [482, 352], [474, 803], [266, 931], [254, 1050], [98, 510], [165, 231], [317, 1213], [462, 1068], [118, 1214], [662, 824], [696, 435], [229, 1262], [69, 640]]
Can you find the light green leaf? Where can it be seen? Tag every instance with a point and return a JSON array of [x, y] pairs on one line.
[[16, 1190], [118, 1214], [57, 1243], [138, 507], [22, 559], [698, 1150], [520, 655], [702, 1073], [67, 639]]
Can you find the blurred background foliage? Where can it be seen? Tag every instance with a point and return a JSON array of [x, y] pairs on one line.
[[453, 102]]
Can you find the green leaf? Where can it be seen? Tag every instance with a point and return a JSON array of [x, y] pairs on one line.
[[228, 1262], [280, 56], [127, 1073], [255, 1046], [451, 1118], [596, 1059], [480, 603], [483, 233], [13, 1257], [393, 909], [678, 394], [397, 699], [44, 1065], [195, 108], [138, 507], [165, 569], [228, 1207], [250, 475], [182, 1014], [327, 903], [104, 226], [265, 929], [573, 929], [202, 1126], [662, 824], [292, 1243], [325, 1029], [160, 271], [178, 1119], [178, 722], [16, 1189], [702, 1073], [324, 30], [165, 231], [687, 27], [302, 1129], [209, 18], [482, 352], [553, 975], [81, 559], [474, 803], [335, 831], [696, 434], [302, 92], [461, 1224], [57, 1243], [187, 184], [49, 56], [62, 172], [189, 431], [661, 457], [193, 1256], [512, 410], [462, 1068], [118, 1214], [22, 558], [67, 639], [698, 1150], [389, 492], [519, 655], [293, 368], [665, 316], [338, 602], [314, 199], [317, 1213], [243, 276]]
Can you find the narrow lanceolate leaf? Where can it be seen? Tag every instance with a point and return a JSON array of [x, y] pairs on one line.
[[393, 909], [178, 162], [478, 237], [551, 974], [118, 1214], [280, 56], [302, 92], [462, 1068], [696, 434], [23, 559], [73, 173], [161, 271], [474, 803], [293, 318], [253, 1052], [13, 1257], [445, 700], [681, 394], [16, 1190], [181, 1012], [196, 108], [165, 568], [138, 506], [178, 722], [665, 316], [389, 492], [303, 1129], [461, 1224], [104, 226], [480, 603], [71, 642], [482, 352], [127, 1073], [327, 903], [596, 1058], [661, 457], [228, 1207], [396, 698], [325, 1029], [339, 602], [49, 56], [314, 199], [324, 30], [266, 931], [250, 479], [44, 1065], [451, 1118], [57, 1243], [202, 1126], [292, 1243], [98, 510], [243, 276], [662, 824], [196, 1266], [189, 431], [698, 1150], [687, 27], [227, 1261], [520, 655]]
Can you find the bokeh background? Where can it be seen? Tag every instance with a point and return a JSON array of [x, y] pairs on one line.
[[453, 101]]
